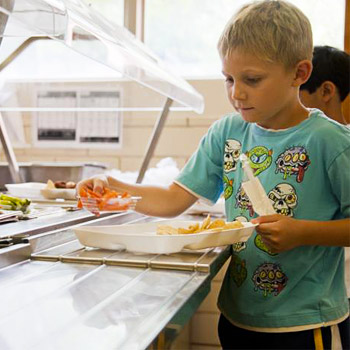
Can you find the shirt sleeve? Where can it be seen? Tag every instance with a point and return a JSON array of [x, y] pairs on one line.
[[202, 174], [340, 180]]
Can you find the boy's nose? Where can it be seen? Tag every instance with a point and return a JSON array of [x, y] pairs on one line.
[[237, 93]]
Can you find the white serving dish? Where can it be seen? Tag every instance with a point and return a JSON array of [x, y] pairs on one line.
[[30, 190], [55, 193], [143, 237]]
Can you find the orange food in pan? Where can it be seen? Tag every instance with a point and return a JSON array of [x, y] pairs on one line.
[[104, 201]]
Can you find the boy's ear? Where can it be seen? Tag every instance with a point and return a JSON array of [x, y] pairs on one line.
[[302, 72], [327, 90]]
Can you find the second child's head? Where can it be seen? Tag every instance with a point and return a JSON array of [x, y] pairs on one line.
[[266, 50], [330, 79]]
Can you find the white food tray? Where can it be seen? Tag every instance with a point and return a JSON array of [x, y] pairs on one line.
[[143, 237]]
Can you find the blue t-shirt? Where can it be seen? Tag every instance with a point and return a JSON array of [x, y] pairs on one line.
[[305, 170]]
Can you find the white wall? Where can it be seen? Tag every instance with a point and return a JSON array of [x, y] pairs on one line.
[[179, 139]]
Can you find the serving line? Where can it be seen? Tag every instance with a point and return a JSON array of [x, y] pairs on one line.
[[64, 295]]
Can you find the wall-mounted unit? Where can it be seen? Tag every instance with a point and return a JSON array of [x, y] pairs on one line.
[[94, 119]]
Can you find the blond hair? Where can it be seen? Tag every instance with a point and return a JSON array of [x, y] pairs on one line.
[[275, 31]]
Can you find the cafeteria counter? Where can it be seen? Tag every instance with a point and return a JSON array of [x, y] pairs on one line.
[[57, 294]]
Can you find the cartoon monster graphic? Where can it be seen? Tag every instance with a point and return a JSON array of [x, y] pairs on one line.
[[243, 202], [260, 159], [269, 278], [284, 199], [228, 187], [294, 161], [241, 218], [239, 246], [238, 270], [231, 156], [262, 246]]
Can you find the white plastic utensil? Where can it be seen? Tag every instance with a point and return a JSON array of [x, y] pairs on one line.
[[254, 190]]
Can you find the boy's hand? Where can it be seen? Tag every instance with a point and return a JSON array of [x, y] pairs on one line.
[[96, 183], [280, 233]]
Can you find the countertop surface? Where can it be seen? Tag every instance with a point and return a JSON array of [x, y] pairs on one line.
[[66, 296]]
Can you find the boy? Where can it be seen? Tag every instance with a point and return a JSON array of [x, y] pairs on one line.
[[286, 284], [329, 82]]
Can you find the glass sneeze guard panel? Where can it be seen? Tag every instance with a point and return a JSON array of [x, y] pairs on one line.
[[59, 44], [88, 33]]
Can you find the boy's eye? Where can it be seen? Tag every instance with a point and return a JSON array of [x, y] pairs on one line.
[[253, 81], [229, 80]]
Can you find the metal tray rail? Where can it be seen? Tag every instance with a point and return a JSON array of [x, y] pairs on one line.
[[202, 261], [53, 254]]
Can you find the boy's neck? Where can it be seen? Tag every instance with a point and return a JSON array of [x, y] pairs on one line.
[[293, 118], [335, 112]]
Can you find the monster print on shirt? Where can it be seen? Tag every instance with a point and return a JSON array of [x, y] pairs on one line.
[[260, 159], [241, 218], [269, 278], [231, 155], [239, 246], [284, 199], [228, 187], [293, 161], [238, 270], [243, 202], [262, 246]]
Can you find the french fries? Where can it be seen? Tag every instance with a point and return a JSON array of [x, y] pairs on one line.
[[207, 225]]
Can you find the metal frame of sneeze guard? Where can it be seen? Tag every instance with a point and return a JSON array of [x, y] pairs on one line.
[[72, 23]]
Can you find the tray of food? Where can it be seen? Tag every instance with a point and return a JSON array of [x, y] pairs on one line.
[[165, 236], [59, 190]]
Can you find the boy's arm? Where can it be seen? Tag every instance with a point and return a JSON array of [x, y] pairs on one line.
[[283, 233], [155, 200]]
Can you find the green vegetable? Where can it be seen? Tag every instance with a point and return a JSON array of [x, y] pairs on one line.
[[13, 203]]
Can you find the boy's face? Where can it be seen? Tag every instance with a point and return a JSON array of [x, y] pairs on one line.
[[262, 92]]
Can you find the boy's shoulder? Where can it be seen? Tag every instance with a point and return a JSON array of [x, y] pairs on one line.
[[328, 128]]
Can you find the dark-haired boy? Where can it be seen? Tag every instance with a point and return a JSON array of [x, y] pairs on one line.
[[329, 83]]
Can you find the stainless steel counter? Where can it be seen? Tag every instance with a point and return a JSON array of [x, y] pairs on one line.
[[57, 221], [60, 295]]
